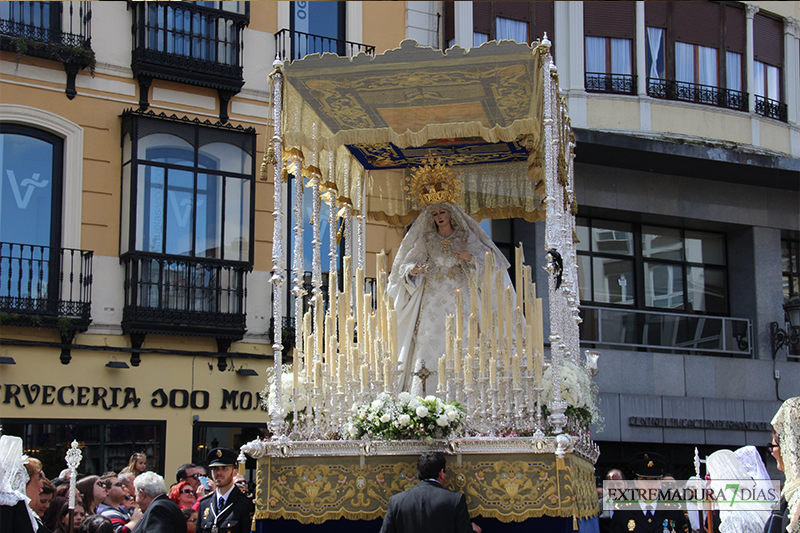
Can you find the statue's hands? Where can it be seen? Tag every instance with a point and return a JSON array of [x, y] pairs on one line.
[[419, 269], [463, 255]]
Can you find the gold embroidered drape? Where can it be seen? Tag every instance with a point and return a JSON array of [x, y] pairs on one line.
[[511, 487]]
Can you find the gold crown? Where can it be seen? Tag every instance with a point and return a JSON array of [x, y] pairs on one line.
[[433, 183]]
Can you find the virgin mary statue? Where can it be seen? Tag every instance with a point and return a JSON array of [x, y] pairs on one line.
[[443, 251]]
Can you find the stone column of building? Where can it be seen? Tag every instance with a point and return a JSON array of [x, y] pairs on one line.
[[569, 57]]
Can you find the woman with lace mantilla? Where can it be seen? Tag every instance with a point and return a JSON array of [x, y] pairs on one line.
[[443, 251]]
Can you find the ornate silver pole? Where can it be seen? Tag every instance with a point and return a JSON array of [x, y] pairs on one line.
[[73, 459], [361, 225], [277, 411]]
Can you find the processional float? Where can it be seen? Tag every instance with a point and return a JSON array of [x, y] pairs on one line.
[[518, 419]]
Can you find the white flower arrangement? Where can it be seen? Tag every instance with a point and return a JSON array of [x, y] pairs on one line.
[[405, 418], [578, 390], [287, 385]]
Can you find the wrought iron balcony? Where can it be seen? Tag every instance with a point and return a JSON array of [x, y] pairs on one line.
[[40, 284], [772, 108], [188, 43], [297, 44], [184, 295], [602, 82], [43, 29], [697, 93], [671, 332]]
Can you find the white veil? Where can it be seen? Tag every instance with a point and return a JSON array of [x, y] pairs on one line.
[[787, 424], [724, 467], [13, 475]]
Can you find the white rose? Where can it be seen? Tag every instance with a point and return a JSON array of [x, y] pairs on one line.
[[385, 418], [430, 398], [422, 411], [404, 397], [428, 440], [377, 404], [404, 420], [452, 414], [442, 421]]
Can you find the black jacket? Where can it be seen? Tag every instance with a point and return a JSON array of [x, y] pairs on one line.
[[234, 518], [162, 516], [427, 508], [633, 519]]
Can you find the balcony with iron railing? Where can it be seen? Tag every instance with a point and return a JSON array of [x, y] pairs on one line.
[[771, 108], [291, 44], [666, 332], [188, 43], [697, 93], [40, 285], [58, 31], [602, 82], [184, 295]]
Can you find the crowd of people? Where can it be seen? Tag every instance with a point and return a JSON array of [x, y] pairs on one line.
[[137, 501], [134, 500]]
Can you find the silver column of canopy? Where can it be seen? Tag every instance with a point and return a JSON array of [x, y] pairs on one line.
[[277, 413]]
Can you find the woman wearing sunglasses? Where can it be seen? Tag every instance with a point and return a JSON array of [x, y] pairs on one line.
[[93, 492], [183, 494]]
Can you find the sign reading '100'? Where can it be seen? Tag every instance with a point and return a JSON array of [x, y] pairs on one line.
[[122, 397]]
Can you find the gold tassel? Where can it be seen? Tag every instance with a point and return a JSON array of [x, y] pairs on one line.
[[263, 173], [270, 157], [574, 523], [285, 175]]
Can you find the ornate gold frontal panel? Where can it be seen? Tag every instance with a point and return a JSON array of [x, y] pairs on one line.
[[509, 487]]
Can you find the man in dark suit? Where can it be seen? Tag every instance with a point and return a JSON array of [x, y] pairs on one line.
[[227, 509], [161, 515], [649, 515], [428, 507]]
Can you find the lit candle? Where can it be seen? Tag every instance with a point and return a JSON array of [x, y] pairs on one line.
[[442, 371], [493, 373]]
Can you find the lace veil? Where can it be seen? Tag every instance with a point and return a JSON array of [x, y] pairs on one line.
[[787, 425], [424, 224], [13, 475], [723, 466]]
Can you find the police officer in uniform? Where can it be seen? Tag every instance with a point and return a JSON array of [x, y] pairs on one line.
[[227, 509], [649, 516]]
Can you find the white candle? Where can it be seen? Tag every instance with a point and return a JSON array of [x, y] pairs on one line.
[[468, 370], [319, 325], [509, 321], [360, 311], [471, 331], [457, 356], [473, 295], [493, 373], [393, 336], [387, 375], [501, 305], [482, 356], [520, 283], [448, 339], [515, 371], [364, 377], [340, 375], [309, 359], [459, 314], [317, 374], [442, 371]]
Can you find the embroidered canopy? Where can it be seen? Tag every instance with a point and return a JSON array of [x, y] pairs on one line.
[[480, 109]]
